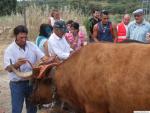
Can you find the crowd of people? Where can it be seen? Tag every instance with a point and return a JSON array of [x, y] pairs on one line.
[[102, 29], [59, 39]]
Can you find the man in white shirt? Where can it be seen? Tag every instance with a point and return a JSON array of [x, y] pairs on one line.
[[18, 53], [57, 44]]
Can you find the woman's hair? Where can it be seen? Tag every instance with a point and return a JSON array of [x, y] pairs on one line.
[[69, 22], [45, 30], [20, 29], [75, 25]]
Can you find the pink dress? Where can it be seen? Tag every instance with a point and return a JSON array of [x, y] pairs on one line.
[[76, 44]]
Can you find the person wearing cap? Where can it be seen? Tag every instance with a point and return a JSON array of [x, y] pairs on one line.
[[139, 29], [57, 44]]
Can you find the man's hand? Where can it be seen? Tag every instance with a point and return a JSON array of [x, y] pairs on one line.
[[148, 37], [17, 65], [21, 61], [46, 59]]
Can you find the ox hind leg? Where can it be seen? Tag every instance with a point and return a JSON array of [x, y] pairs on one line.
[[93, 109]]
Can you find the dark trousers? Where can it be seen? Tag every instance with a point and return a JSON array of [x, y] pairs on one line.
[[20, 92]]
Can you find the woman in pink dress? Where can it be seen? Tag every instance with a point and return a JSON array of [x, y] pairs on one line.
[[75, 37]]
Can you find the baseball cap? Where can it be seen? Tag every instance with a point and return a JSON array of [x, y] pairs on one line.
[[138, 11], [60, 25]]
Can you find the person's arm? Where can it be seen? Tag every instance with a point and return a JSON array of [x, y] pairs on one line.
[[49, 21], [17, 65], [69, 39], [95, 33], [82, 38], [148, 35], [45, 46], [9, 60], [128, 33]]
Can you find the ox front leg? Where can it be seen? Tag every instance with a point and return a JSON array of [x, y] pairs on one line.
[[93, 109]]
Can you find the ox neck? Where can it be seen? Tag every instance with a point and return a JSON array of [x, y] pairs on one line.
[[56, 95]]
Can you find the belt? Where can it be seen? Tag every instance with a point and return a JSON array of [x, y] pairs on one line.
[[21, 81]]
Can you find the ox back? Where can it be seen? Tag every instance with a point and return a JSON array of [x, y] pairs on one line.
[[106, 78]]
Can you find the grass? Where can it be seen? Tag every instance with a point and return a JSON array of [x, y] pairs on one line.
[[35, 17]]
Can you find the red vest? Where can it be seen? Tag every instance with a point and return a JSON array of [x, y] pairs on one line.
[[121, 32]]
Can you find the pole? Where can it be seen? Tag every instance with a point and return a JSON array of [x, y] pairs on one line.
[[24, 13]]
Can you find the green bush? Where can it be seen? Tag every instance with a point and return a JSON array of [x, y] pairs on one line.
[[7, 7], [86, 24]]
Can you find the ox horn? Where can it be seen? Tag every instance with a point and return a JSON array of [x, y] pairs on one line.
[[21, 74]]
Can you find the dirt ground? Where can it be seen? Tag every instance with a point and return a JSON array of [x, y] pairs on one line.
[[5, 105]]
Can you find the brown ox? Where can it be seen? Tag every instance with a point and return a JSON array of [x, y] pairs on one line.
[[106, 78]]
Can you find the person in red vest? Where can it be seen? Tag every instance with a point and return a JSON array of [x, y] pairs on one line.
[[122, 28]]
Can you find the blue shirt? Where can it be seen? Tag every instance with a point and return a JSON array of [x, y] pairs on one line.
[[138, 31], [40, 40]]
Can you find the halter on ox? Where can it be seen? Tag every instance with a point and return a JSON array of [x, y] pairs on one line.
[[41, 77]]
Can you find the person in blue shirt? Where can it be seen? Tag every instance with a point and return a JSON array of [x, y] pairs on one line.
[[139, 29], [41, 40]]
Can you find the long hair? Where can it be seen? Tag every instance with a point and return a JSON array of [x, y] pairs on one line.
[[45, 30]]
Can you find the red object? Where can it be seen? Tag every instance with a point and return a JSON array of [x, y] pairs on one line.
[[41, 71], [121, 32]]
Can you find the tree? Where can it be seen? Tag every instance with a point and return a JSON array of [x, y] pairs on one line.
[[7, 7]]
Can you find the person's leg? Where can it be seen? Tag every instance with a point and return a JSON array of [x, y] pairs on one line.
[[17, 97], [29, 106]]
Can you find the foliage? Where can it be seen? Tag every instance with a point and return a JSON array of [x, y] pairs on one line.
[[85, 6], [86, 24], [7, 7]]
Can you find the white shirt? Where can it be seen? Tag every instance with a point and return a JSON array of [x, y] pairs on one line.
[[14, 52], [52, 21], [59, 46]]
